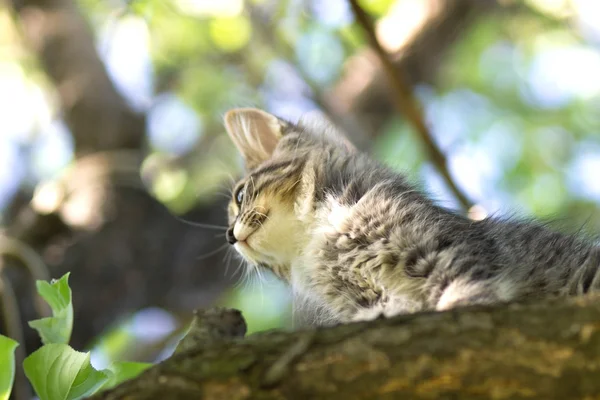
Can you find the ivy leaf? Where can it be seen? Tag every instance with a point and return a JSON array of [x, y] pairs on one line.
[[57, 372], [122, 371], [7, 361], [55, 329]]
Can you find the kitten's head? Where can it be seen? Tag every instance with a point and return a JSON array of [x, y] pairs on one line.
[[268, 222]]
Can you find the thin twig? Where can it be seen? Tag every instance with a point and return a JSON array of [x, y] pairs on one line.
[[407, 104], [266, 31]]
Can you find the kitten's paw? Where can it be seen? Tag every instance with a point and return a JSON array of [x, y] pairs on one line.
[[465, 293], [368, 314]]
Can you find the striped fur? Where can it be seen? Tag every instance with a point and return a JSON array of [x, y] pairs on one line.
[[355, 240]]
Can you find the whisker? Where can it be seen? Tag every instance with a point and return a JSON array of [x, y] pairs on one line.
[[225, 195], [259, 213], [262, 215], [200, 224], [261, 281], [211, 253], [227, 260], [228, 174], [240, 281]]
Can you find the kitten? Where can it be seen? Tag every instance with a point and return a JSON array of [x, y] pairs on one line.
[[355, 240]]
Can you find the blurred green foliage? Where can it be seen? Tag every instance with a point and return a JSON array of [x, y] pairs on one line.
[[515, 106]]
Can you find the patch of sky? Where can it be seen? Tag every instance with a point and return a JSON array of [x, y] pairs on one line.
[[435, 187], [557, 76], [320, 55], [291, 109], [502, 65], [124, 48], [151, 324], [12, 170], [473, 169], [478, 166], [52, 151], [479, 144], [24, 108], [173, 127], [99, 359], [588, 18], [332, 13], [285, 93], [208, 8], [282, 79], [22, 104], [456, 116], [584, 171], [503, 142]]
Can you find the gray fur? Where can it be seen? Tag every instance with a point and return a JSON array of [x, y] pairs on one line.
[[395, 251]]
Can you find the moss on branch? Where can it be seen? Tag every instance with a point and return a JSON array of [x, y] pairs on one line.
[[546, 350]]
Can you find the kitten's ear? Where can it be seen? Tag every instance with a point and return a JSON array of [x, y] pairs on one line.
[[254, 132]]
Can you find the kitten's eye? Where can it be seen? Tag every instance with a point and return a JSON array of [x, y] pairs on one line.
[[239, 196]]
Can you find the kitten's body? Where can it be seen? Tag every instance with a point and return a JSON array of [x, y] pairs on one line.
[[355, 240]]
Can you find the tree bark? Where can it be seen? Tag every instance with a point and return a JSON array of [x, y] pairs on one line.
[[124, 250], [547, 350]]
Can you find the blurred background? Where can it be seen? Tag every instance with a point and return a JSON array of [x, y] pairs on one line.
[[96, 93]]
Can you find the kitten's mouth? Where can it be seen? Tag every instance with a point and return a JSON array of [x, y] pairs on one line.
[[246, 251], [244, 244]]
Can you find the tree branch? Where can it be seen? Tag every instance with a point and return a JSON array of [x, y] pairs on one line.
[[266, 30], [544, 350], [420, 60], [408, 106]]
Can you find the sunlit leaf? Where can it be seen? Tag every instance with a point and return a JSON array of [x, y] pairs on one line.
[[7, 363], [121, 371], [170, 183], [376, 7], [55, 329], [57, 372], [230, 34]]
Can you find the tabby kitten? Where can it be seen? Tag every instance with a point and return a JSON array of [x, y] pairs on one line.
[[355, 240]]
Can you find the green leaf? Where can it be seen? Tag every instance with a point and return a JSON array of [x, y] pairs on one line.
[[55, 329], [7, 361], [230, 34], [57, 372], [376, 7], [121, 371]]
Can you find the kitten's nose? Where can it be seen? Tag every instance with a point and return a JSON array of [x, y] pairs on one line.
[[230, 236]]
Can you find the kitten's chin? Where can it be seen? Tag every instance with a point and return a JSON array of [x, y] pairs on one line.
[[246, 251]]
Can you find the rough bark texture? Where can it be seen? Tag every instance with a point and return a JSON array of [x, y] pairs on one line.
[[547, 350]]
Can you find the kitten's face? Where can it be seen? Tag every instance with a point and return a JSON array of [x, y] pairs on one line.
[[263, 223], [263, 226]]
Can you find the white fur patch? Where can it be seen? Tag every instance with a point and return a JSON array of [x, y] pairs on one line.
[[338, 216], [457, 290], [460, 290]]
